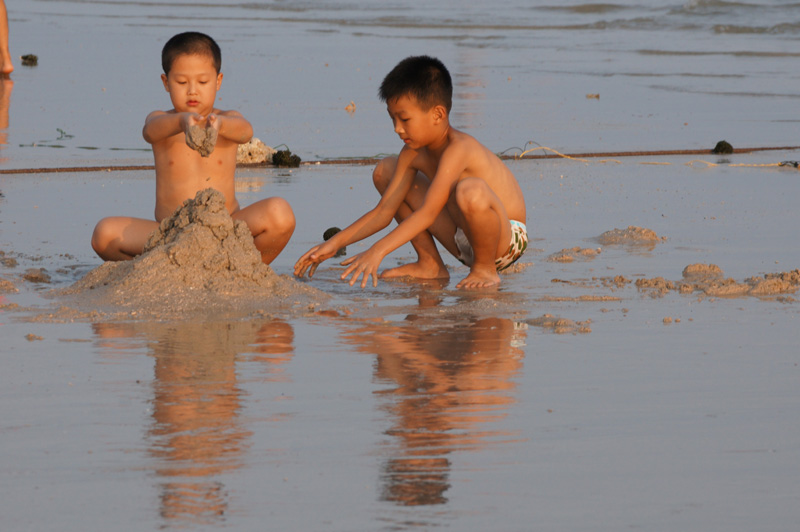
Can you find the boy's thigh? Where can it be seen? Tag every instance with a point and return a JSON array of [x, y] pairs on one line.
[[472, 201], [127, 227], [126, 234]]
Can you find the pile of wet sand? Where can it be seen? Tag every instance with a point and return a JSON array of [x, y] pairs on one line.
[[710, 280], [199, 260]]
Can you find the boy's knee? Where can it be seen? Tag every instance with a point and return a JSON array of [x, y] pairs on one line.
[[383, 172], [282, 215], [471, 195], [101, 236]]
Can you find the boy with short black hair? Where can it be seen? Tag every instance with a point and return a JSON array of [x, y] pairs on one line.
[[194, 147], [443, 184]]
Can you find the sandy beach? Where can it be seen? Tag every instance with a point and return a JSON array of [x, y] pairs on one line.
[[638, 368], [565, 385]]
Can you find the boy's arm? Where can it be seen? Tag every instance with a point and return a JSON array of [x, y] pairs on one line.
[[160, 125], [451, 166], [368, 224], [232, 126]]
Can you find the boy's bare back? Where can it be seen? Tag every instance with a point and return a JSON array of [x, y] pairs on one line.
[[462, 156]]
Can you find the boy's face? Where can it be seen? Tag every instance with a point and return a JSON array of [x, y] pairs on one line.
[[414, 125], [192, 84]]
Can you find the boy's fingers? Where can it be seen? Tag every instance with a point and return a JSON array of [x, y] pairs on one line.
[[346, 273]]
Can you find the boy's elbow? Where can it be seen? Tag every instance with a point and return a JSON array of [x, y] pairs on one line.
[[147, 134], [247, 134]]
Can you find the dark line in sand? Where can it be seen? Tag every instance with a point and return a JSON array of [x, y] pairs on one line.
[[364, 161]]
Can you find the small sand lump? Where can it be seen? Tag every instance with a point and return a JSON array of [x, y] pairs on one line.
[[631, 235], [202, 139]]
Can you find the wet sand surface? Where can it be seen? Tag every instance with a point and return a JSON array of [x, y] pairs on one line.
[[575, 395], [637, 369]]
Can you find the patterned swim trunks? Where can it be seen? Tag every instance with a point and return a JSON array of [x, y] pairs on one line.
[[519, 242]]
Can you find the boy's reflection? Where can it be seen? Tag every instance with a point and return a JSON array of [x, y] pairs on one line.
[[6, 86], [451, 382], [197, 434]]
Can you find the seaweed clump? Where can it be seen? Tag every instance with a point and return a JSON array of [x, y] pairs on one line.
[[29, 60], [723, 147], [285, 158]]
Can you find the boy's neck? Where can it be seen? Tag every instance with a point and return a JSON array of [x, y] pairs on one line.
[[437, 147]]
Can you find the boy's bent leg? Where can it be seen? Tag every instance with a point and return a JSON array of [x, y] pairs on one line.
[[429, 264], [121, 237], [271, 222], [488, 229]]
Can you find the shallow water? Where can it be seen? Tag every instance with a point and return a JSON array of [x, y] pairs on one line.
[[420, 406], [416, 406], [669, 75]]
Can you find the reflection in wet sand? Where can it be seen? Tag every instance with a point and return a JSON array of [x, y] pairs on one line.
[[451, 382], [197, 435], [6, 86]]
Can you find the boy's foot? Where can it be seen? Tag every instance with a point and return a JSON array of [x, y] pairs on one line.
[[418, 271], [477, 279]]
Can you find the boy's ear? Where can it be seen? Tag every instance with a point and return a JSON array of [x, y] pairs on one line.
[[164, 81], [219, 80], [439, 113]]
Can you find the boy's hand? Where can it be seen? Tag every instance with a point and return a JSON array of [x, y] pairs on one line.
[[191, 119], [365, 264], [313, 258], [213, 121]]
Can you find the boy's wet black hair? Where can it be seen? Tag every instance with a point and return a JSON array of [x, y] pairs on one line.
[[190, 43], [423, 77]]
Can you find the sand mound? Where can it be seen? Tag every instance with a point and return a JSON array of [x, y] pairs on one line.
[[198, 259]]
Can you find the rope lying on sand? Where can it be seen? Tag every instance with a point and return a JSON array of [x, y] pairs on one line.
[[525, 155]]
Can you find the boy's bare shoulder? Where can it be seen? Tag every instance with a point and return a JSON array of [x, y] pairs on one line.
[[464, 141], [158, 112], [227, 112]]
